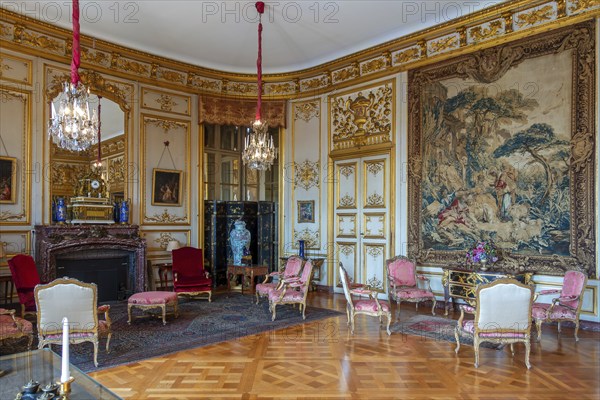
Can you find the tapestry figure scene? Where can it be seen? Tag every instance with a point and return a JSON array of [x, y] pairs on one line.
[[496, 160]]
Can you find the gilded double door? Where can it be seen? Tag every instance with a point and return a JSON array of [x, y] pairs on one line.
[[362, 218]]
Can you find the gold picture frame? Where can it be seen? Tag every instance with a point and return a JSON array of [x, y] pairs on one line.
[[166, 187], [306, 211], [8, 180]]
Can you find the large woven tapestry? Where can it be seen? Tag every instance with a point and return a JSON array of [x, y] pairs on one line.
[[501, 149]]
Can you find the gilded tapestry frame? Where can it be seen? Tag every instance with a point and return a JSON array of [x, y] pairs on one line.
[[484, 67]]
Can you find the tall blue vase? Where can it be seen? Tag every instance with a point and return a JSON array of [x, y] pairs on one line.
[[301, 248], [61, 211], [124, 212]]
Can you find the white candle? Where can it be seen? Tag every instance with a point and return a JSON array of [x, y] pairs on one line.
[[65, 373]]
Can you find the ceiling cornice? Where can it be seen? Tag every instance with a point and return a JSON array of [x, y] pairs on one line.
[[485, 28]]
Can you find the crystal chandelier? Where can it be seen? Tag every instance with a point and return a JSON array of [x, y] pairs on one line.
[[259, 152], [72, 127]]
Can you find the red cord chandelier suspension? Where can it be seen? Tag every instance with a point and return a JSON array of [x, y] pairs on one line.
[[259, 151]]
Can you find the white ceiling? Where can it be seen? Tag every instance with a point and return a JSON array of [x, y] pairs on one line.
[[223, 34]]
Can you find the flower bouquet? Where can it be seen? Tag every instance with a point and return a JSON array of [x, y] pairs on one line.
[[483, 253]]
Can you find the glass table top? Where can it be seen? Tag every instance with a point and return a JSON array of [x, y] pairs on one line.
[[44, 366]]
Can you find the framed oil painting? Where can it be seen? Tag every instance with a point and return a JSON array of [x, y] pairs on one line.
[[306, 211], [8, 180], [166, 187], [501, 149]]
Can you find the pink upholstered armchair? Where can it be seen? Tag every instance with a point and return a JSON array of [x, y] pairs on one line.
[[565, 307], [189, 276], [370, 306], [403, 283], [25, 277], [292, 268], [502, 315], [12, 327], [292, 290]]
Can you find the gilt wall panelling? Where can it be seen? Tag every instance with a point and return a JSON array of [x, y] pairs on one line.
[[15, 242], [15, 150], [305, 173], [166, 102], [165, 154], [15, 69], [362, 117]]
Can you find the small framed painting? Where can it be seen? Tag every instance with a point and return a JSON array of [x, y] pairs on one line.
[[166, 187], [306, 211], [8, 180]]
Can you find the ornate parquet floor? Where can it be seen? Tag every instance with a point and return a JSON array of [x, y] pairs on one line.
[[322, 360]]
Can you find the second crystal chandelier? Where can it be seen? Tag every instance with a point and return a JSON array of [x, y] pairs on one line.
[[259, 151]]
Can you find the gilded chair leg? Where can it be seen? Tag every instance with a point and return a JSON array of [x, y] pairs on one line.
[[576, 330], [303, 311], [129, 314], [527, 351], [274, 315], [348, 314], [476, 345], [108, 342], [512, 349], [96, 352], [257, 298], [538, 326], [389, 320], [558, 326], [210, 297], [352, 323], [398, 309], [29, 342], [433, 307], [456, 336]]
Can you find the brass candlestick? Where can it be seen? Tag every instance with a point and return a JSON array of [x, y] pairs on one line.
[[65, 388]]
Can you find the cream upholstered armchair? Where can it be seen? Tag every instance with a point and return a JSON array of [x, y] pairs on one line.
[[502, 315], [403, 283], [77, 301], [292, 291], [292, 268], [370, 306], [565, 307]]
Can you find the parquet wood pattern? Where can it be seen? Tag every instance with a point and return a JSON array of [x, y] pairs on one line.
[[322, 360]]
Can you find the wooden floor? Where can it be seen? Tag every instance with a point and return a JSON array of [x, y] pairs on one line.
[[322, 360]]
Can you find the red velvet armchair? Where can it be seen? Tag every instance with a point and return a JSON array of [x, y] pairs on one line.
[[189, 276], [25, 276]]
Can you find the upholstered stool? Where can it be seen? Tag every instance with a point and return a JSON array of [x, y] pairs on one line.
[[148, 300]]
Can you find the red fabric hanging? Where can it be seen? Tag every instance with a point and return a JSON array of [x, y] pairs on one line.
[[76, 51], [260, 7]]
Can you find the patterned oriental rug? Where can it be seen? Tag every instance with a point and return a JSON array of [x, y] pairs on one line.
[[200, 323], [435, 328]]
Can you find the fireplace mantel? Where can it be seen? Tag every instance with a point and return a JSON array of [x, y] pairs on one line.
[[52, 240]]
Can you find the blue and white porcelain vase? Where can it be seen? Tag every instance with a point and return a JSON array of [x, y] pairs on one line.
[[61, 211], [124, 212], [239, 239]]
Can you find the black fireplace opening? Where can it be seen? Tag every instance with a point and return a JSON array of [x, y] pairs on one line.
[[108, 270]]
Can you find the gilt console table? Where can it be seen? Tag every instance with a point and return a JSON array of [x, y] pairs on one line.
[[461, 283]]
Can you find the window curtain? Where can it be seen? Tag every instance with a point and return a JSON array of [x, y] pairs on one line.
[[221, 111]]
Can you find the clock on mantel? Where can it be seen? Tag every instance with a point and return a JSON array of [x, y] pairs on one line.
[[91, 204]]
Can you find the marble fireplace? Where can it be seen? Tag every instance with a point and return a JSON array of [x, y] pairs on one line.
[[112, 256]]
